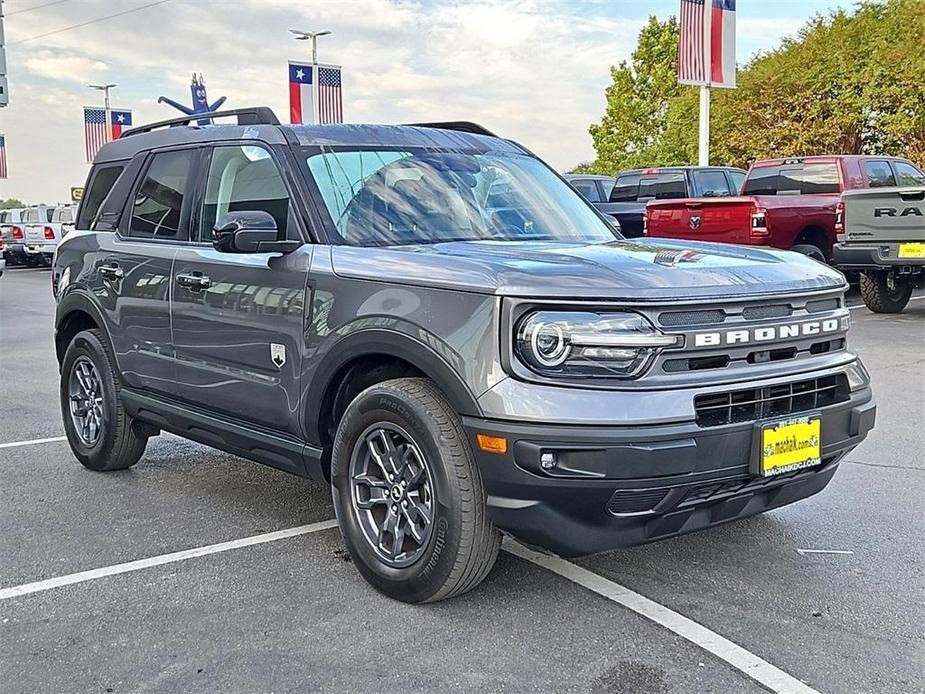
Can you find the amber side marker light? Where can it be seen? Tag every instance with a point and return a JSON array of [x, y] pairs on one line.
[[492, 444]]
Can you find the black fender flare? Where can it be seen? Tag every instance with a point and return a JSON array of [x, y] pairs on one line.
[[422, 355], [78, 300]]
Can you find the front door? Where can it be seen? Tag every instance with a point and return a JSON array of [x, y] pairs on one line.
[[238, 319], [132, 269]]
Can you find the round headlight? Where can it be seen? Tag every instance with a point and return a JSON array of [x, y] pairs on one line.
[[547, 343]]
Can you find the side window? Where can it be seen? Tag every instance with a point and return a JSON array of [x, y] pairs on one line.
[[626, 189], [737, 178], [820, 178], [908, 174], [761, 180], [711, 183], [879, 174], [243, 178], [102, 181], [587, 188], [158, 201]]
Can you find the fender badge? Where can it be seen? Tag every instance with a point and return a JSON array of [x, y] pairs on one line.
[[278, 354]]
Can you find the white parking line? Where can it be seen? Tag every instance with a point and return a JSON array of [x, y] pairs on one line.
[[746, 662], [81, 577], [914, 298], [32, 442]]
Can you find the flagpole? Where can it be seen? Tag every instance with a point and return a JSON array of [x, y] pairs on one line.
[[703, 149], [313, 37], [107, 110]]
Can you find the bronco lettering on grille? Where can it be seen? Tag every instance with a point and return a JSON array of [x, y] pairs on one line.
[[769, 334]]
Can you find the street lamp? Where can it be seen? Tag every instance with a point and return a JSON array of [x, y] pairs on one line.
[[107, 113], [310, 36]]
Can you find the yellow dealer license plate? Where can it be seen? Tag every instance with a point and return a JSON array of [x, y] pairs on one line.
[[911, 250], [789, 444]]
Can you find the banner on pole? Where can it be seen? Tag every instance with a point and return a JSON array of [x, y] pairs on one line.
[[96, 132], [315, 94], [3, 171], [301, 93], [706, 50]]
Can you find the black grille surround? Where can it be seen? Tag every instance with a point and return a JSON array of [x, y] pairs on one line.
[[752, 404]]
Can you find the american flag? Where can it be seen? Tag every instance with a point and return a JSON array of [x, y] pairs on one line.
[[330, 104], [2, 156], [706, 52], [95, 132]]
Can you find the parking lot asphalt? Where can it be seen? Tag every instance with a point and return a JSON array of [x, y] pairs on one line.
[[294, 615]]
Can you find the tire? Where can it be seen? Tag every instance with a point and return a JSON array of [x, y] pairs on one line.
[[117, 444], [880, 297], [812, 251], [458, 548], [31, 261]]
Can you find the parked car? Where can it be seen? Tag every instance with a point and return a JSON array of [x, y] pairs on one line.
[[41, 235], [785, 203], [881, 234], [344, 302], [63, 217], [632, 189], [12, 236]]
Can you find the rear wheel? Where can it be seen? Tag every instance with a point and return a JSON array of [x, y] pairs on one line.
[[811, 250], [884, 292], [100, 432], [408, 494]]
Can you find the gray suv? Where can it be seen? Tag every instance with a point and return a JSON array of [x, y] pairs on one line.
[[430, 319]]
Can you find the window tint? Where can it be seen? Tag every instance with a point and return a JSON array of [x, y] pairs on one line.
[[761, 180], [626, 189], [711, 184], [666, 186], [908, 174], [588, 189], [100, 185], [243, 178], [879, 174], [737, 179], [820, 178], [158, 201], [606, 187]]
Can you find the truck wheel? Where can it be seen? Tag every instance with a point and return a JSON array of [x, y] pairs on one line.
[[884, 293], [809, 249], [98, 429], [408, 494]]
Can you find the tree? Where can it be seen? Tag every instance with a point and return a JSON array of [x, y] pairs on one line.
[[11, 203], [636, 115]]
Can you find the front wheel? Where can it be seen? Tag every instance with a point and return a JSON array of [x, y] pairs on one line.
[[408, 494], [883, 292]]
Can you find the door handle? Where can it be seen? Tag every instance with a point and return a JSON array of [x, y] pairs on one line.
[[113, 272], [194, 281]]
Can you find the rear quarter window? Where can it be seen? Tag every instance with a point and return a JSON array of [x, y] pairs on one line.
[[102, 179]]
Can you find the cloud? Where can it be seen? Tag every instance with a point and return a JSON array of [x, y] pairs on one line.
[[55, 66]]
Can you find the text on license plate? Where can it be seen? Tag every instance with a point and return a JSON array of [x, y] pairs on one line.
[[790, 444], [911, 250]]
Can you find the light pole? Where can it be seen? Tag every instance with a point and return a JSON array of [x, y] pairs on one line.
[[107, 112], [310, 36]]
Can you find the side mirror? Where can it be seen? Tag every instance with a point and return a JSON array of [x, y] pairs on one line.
[[249, 231]]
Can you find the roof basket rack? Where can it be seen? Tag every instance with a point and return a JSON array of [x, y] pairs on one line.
[[463, 126], [255, 115]]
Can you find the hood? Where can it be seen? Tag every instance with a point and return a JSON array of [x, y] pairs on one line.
[[641, 269]]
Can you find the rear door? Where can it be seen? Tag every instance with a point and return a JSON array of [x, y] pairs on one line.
[[238, 319], [132, 268]]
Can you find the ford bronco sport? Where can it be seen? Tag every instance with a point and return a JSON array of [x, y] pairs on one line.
[[432, 320]]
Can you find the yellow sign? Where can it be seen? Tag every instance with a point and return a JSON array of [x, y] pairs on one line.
[[912, 250], [77, 194], [791, 445]]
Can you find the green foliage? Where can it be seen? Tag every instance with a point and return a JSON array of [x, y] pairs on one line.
[[11, 203], [849, 83]]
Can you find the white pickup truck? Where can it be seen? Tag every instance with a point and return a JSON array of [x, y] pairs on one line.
[[44, 229], [881, 234]]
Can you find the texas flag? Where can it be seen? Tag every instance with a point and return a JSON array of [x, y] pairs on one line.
[[706, 51], [119, 120], [723, 43], [301, 94]]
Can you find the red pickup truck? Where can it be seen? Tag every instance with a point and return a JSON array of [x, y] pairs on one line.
[[783, 203]]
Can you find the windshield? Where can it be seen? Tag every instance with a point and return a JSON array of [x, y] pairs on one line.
[[389, 198]]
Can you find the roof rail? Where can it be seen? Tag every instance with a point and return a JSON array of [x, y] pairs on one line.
[[463, 126], [255, 115]]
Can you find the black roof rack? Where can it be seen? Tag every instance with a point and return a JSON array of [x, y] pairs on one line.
[[460, 125], [256, 115]]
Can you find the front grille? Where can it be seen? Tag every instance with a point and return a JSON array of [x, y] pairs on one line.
[[751, 404], [679, 319], [821, 305], [766, 311]]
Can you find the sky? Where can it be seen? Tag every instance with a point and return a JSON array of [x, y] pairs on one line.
[[531, 70]]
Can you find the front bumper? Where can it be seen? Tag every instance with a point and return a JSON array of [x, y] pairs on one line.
[[616, 486], [855, 256]]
